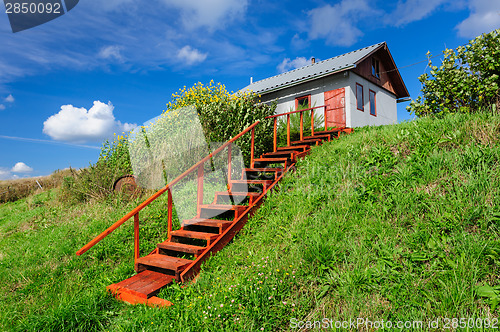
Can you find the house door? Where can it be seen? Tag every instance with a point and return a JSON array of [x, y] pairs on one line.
[[335, 108]]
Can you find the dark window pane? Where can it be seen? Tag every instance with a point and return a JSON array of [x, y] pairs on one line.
[[359, 97], [373, 104]]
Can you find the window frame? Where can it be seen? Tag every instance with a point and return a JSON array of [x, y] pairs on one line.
[[308, 97], [362, 109], [373, 107], [376, 68]]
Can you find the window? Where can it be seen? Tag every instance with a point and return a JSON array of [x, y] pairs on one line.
[[360, 102], [375, 68], [302, 103], [373, 103]]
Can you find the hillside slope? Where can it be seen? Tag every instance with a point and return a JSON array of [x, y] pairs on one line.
[[394, 223]]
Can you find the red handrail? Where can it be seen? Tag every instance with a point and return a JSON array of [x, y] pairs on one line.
[[275, 117], [135, 212]]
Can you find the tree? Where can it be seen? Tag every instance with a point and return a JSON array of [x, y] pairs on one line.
[[466, 81]]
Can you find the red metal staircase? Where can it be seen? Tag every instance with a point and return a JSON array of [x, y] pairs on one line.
[[180, 257]]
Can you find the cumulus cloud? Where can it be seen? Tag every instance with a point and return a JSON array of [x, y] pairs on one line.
[[413, 10], [484, 17], [111, 52], [78, 125], [288, 64], [21, 167], [4, 174], [213, 14], [337, 23], [9, 99], [191, 55]]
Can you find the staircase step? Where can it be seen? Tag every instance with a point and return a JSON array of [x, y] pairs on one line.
[[220, 224], [143, 285], [312, 141], [263, 169], [181, 247], [330, 131], [290, 154], [267, 161], [295, 147], [327, 137], [163, 262], [195, 235]]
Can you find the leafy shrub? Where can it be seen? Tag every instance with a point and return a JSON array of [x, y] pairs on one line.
[[467, 80], [97, 180], [224, 115]]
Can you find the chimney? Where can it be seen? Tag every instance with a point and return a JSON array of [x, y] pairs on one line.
[[251, 80], [313, 60]]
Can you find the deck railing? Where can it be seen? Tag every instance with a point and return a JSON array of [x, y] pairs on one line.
[[199, 167], [275, 128]]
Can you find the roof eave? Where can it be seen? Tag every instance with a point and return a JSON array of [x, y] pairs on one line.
[[307, 79]]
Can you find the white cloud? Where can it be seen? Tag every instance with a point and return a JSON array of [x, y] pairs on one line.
[[21, 167], [4, 174], [213, 14], [9, 98], [111, 52], [191, 55], [78, 125], [288, 64], [337, 23], [2, 107], [484, 17], [413, 10]]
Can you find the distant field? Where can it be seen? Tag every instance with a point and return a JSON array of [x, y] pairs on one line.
[[397, 223], [12, 190]]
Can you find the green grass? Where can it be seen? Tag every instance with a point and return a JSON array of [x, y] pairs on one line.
[[397, 223]]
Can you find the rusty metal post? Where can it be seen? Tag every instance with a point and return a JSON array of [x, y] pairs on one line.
[[169, 214], [200, 189], [275, 135], [288, 130], [136, 237], [301, 126], [252, 148], [326, 127], [312, 122], [229, 156]]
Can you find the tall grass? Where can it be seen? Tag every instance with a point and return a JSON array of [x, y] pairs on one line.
[[394, 223]]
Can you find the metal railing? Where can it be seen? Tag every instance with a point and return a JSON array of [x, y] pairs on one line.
[[275, 128], [199, 167]]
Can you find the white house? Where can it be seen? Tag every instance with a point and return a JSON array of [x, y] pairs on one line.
[[359, 88]]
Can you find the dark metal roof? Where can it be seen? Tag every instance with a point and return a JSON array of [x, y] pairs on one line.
[[313, 71]]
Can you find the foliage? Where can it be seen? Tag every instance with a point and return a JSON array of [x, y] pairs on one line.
[[468, 79], [97, 180], [224, 115], [396, 223]]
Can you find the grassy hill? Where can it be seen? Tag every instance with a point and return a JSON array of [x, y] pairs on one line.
[[394, 223]]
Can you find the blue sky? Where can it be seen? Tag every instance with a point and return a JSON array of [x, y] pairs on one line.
[[108, 65]]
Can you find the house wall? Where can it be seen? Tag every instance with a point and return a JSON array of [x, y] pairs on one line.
[[385, 100], [316, 88]]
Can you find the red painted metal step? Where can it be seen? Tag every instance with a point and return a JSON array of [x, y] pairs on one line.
[[312, 141], [226, 196], [181, 247], [323, 137], [141, 288], [296, 147], [174, 265], [202, 222], [290, 154], [209, 237]]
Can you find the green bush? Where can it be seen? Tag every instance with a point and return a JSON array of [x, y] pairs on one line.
[[222, 115], [467, 80]]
